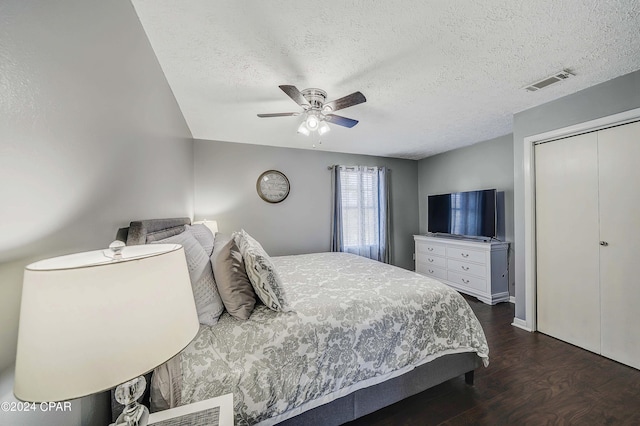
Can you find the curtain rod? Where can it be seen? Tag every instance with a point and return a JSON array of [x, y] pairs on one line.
[[337, 165]]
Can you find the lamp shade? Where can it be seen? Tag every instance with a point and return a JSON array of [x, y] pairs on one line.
[[89, 321]]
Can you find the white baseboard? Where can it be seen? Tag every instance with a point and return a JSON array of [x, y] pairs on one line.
[[512, 299], [517, 322]]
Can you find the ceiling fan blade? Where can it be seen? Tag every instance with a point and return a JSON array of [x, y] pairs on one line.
[[340, 120], [342, 103], [295, 94], [279, 114]]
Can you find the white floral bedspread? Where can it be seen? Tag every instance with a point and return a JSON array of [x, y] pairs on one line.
[[354, 320]]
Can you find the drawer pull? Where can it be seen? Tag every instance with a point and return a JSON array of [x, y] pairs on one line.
[[465, 281], [464, 254], [431, 271], [430, 248], [464, 268], [430, 260]]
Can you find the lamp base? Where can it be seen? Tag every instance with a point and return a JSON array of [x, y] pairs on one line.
[[127, 394]]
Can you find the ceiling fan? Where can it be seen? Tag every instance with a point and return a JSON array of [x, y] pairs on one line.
[[317, 112]]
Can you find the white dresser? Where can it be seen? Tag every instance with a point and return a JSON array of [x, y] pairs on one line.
[[476, 268]]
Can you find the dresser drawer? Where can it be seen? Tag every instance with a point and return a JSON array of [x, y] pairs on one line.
[[432, 271], [467, 268], [466, 255], [427, 248], [431, 260], [470, 266], [468, 281]]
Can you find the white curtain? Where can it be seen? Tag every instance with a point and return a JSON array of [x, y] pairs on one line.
[[360, 221]]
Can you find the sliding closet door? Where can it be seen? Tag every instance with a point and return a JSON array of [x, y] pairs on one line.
[[619, 149], [568, 299]]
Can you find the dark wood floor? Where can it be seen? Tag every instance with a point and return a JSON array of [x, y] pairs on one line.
[[532, 379]]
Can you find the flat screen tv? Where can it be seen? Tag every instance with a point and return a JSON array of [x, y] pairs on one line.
[[471, 213]]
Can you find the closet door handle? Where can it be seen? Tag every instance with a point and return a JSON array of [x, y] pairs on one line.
[[604, 243]]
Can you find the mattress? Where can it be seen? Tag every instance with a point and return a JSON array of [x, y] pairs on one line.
[[355, 323]]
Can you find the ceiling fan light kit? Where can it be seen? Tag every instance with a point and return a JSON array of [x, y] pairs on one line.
[[323, 128], [317, 112], [312, 120], [303, 129]]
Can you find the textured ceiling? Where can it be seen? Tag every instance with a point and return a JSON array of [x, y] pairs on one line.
[[437, 75]]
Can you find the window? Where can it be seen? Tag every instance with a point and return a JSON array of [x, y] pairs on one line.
[[359, 207], [360, 211]]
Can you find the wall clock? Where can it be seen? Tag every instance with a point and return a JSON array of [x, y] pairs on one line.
[[273, 186]]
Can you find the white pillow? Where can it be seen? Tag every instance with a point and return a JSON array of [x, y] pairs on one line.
[[205, 293], [262, 272], [203, 235]]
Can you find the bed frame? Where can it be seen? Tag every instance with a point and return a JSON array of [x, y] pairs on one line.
[[358, 403]]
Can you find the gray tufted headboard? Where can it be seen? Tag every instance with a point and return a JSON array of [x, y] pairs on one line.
[[146, 231]]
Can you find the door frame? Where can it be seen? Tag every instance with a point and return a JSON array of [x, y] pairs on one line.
[[530, 322]]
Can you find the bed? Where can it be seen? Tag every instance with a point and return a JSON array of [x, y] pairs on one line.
[[359, 335]]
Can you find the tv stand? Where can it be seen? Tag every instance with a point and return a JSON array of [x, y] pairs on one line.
[[476, 268]]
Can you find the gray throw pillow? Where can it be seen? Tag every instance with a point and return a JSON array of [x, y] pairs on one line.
[[208, 302], [231, 277], [262, 272], [203, 235]]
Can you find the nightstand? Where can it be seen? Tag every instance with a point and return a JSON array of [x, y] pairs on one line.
[[216, 411]]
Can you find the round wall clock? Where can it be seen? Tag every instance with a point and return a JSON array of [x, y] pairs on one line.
[[273, 186]]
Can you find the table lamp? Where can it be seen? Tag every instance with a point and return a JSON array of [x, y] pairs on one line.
[[94, 320]]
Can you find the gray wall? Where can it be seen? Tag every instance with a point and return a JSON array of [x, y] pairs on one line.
[[614, 96], [90, 138], [483, 165], [225, 190]]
